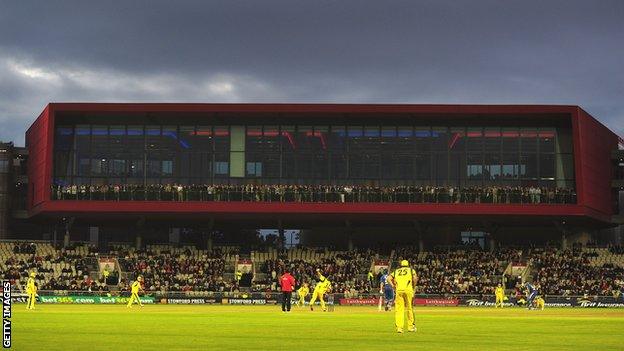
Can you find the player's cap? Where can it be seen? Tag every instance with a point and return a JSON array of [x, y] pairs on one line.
[[33, 274], [404, 263]]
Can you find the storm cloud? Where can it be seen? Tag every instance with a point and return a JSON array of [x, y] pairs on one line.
[[533, 52]]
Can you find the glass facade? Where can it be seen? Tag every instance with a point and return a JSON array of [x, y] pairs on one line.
[[308, 154]]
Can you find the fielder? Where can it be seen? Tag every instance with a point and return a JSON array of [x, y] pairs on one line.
[[302, 292], [500, 296], [31, 291], [136, 287], [404, 281]]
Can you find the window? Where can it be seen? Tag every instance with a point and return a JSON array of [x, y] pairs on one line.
[[221, 168], [474, 140], [546, 140], [547, 166], [473, 238], [167, 167], [439, 137], [254, 169], [4, 166]]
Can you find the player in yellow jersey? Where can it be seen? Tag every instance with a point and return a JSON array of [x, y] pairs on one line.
[[404, 280], [500, 296], [539, 303], [31, 291], [322, 287], [136, 287], [302, 292]]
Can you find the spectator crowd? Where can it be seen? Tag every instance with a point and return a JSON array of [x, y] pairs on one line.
[[569, 272], [460, 270], [168, 270], [318, 193]]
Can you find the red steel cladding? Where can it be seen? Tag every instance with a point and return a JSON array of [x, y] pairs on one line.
[[592, 141], [593, 162], [39, 143]]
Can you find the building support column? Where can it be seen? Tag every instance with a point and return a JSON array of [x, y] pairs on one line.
[[565, 231], [281, 235], [208, 235], [94, 236], [68, 224], [138, 240], [491, 230], [174, 235], [140, 227], [349, 232], [421, 228]]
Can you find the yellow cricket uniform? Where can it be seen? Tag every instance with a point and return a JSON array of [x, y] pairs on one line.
[[31, 291], [136, 285], [319, 291], [404, 284], [500, 296], [539, 302], [302, 292]]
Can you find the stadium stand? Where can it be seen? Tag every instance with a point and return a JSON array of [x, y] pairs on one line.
[[186, 269]]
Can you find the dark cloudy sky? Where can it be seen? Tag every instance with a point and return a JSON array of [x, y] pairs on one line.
[[438, 51]]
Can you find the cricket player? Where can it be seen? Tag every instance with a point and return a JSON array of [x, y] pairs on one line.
[[539, 302], [31, 291], [323, 286], [531, 293], [404, 280], [302, 292], [500, 296], [386, 288], [136, 287]]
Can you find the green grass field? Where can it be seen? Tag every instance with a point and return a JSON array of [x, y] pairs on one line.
[[222, 327]]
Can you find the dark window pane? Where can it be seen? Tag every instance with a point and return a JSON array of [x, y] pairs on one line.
[[492, 167], [511, 140], [288, 139], [356, 165], [320, 166], [528, 166], [492, 140], [423, 166], [457, 142], [511, 167], [204, 139], [222, 140], [547, 166], [440, 138], [64, 138], [546, 140], [372, 162], [528, 140], [423, 139], [339, 166], [474, 139], [271, 165], [474, 167], [337, 138], [271, 139]]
